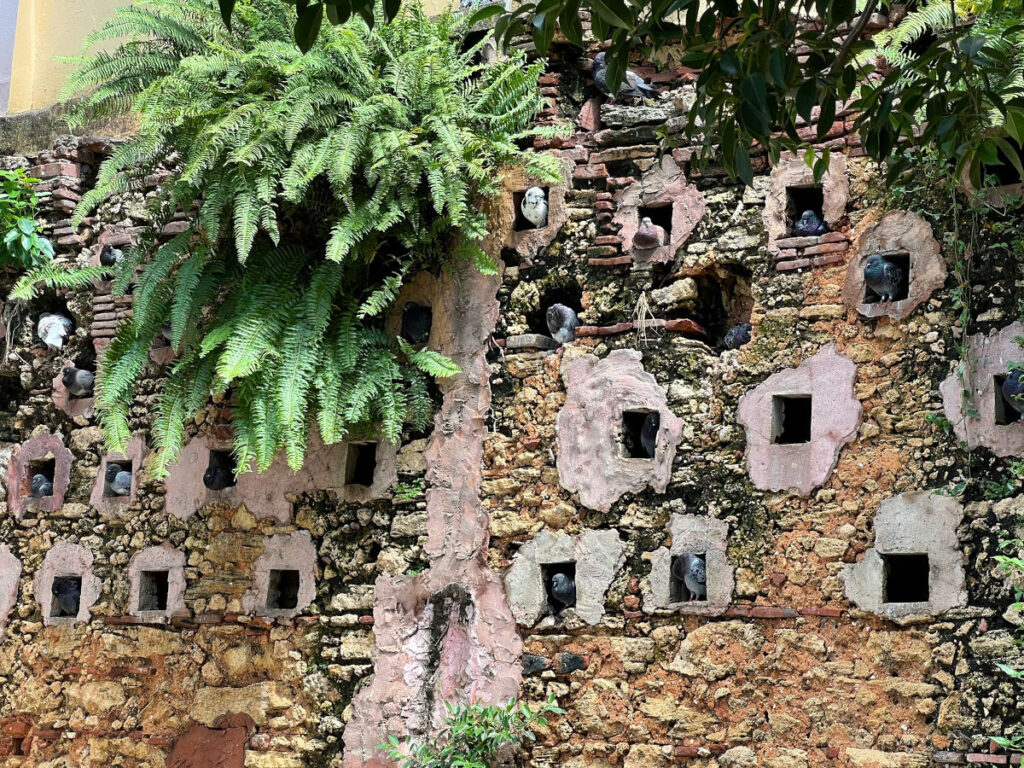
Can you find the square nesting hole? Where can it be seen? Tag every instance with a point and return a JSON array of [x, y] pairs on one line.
[[791, 419], [360, 464], [66, 592], [117, 479], [416, 322], [559, 586], [800, 199], [688, 578], [523, 224], [902, 262], [905, 579], [220, 471], [283, 590], [640, 433], [1005, 412], [660, 216], [40, 478], [153, 590]]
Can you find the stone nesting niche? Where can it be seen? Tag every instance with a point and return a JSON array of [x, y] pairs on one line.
[[414, 308], [157, 578], [43, 454], [283, 583], [695, 535], [906, 240], [10, 576], [102, 497], [798, 420], [600, 453], [65, 586], [664, 196], [520, 235], [915, 567], [592, 558], [995, 425], [791, 186]]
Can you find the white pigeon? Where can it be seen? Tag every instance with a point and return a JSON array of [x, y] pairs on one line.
[[54, 329], [535, 207]]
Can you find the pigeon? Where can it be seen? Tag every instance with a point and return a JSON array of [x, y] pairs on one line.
[[535, 207], [563, 589], [809, 224], [649, 433], [54, 329], [691, 570], [1013, 390], [416, 320], [218, 478], [648, 235], [165, 331], [67, 593], [41, 486], [118, 480], [883, 277], [110, 256], [78, 382], [562, 323], [632, 86], [737, 336]]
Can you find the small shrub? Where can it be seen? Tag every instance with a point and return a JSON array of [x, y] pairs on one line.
[[23, 244]]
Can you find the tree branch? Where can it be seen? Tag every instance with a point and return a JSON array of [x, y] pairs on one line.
[[855, 33]]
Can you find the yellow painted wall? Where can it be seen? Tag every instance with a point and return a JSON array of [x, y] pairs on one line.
[[46, 29]]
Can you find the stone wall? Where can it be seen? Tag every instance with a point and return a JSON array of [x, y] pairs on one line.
[[791, 661]]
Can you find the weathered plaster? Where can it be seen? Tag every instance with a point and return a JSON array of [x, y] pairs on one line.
[[590, 453], [10, 574], [67, 559], [598, 555], [828, 377], [922, 522], [696, 535], [895, 232], [136, 454], [163, 557], [291, 551], [987, 357], [42, 447], [792, 171]]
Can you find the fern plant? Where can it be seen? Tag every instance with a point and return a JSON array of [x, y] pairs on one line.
[[319, 182]]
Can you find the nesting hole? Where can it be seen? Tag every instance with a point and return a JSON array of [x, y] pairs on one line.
[[45, 467], [153, 586], [905, 578], [901, 260], [564, 291], [283, 589], [1005, 413], [360, 464], [18, 745], [724, 300], [220, 471], [800, 199], [660, 215], [484, 54], [548, 571], [791, 419], [66, 596], [522, 224], [678, 591], [417, 320], [108, 487], [640, 433]]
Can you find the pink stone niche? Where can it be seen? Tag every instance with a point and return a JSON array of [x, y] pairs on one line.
[[591, 458], [663, 186], [292, 554], [163, 558], [67, 559], [43, 447], [529, 242], [834, 417], [10, 576], [988, 357], [905, 235], [135, 455]]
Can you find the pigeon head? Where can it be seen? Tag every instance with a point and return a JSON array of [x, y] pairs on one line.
[[111, 473], [68, 377], [646, 222], [560, 580], [808, 217], [534, 196]]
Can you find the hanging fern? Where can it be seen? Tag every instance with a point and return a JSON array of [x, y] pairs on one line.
[[320, 181]]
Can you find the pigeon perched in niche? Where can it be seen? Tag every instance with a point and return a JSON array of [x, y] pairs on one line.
[[809, 225], [632, 86], [218, 478], [78, 382], [66, 593], [54, 329], [1013, 390], [648, 235], [110, 256], [535, 207], [649, 433], [883, 277], [562, 323], [41, 486], [691, 570], [563, 589], [737, 336], [416, 322], [118, 480]]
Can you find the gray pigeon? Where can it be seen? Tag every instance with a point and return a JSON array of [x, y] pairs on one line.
[[110, 256], [67, 593], [632, 86], [883, 277], [648, 235], [78, 382], [41, 486], [562, 323], [691, 570], [416, 322], [737, 336], [563, 589], [649, 433], [54, 329], [1013, 390], [809, 225], [535, 207]]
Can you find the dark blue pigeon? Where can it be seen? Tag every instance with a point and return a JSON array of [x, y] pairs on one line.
[[1013, 390], [563, 589], [649, 433], [809, 224], [67, 592], [883, 277], [41, 486], [737, 336]]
